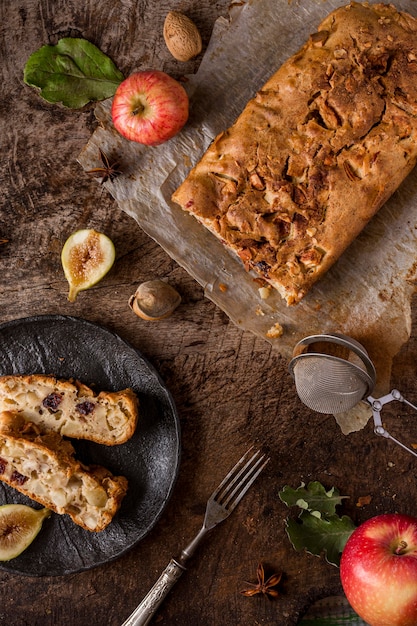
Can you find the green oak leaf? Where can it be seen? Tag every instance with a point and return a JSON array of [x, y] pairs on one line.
[[73, 72], [314, 497], [318, 535]]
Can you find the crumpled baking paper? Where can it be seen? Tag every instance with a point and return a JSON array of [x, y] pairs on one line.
[[366, 295]]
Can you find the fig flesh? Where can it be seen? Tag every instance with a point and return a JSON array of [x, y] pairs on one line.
[[86, 258], [19, 525]]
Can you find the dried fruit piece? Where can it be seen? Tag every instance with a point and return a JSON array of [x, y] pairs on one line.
[[182, 36], [86, 257], [85, 408], [52, 402], [17, 478], [19, 525]]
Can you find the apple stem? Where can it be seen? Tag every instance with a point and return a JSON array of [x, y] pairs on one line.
[[400, 549], [138, 109]]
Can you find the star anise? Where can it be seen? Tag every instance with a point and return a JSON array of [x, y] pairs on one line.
[[109, 170], [265, 587]]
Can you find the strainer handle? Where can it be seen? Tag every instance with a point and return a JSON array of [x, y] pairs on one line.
[[379, 429]]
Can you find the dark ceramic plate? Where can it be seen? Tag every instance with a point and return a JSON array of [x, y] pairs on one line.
[[69, 347]]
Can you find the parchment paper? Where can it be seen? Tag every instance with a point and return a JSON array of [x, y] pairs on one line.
[[366, 295]]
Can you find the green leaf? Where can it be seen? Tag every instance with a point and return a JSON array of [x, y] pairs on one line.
[[73, 72], [314, 497], [320, 535]]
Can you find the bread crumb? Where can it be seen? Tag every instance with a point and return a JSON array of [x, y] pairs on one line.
[[264, 292], [363, 501], [275, 331]]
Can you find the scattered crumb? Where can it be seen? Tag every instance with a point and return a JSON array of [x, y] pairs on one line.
[[264, 292], [275, 331], [363, 501], [259, 311], [251, 525], [222, 287], [187, 160]]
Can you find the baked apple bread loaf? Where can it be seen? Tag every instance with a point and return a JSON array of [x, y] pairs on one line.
[[71, 408], [43, 468], [316, 152]]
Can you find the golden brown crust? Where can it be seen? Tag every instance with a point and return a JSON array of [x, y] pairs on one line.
[[317, 152], [43, 468], [71, 408]]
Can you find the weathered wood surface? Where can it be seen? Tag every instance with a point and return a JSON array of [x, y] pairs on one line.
[[230, 388]]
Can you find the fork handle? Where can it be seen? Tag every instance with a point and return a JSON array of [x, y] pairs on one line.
[[144, 612]]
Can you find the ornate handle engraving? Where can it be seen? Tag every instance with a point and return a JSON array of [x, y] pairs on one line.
[[147, 608]]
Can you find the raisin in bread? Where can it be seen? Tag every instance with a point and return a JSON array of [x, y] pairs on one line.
[[317, 151], [71, 408], [43, 468]]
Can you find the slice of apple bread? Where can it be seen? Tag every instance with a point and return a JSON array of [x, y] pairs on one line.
[[71, 408], [43, 467]]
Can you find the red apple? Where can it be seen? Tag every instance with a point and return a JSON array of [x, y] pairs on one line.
[[378, 570], [149, 107]]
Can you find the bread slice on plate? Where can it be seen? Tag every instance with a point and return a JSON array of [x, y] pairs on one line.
[[43, 467], [71, 408], [315, 154]]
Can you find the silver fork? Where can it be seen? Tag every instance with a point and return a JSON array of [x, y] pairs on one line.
[[219, 506]]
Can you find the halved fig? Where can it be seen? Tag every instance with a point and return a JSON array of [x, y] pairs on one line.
[[86, 258], [19, 525]]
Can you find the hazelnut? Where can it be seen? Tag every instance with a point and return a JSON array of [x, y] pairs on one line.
[[154, 300], [182, 36]]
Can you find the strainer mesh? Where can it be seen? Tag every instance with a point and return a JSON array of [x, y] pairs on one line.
[[328, 385]]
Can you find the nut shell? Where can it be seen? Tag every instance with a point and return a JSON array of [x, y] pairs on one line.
[[182, 36], [154, 300]]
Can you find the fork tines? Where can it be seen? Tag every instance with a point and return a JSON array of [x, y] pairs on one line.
[[234, 486]]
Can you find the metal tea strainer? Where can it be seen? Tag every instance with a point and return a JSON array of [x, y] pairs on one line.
[[333, 373]]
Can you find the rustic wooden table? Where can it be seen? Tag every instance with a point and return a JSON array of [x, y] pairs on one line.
[[231, 389]]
